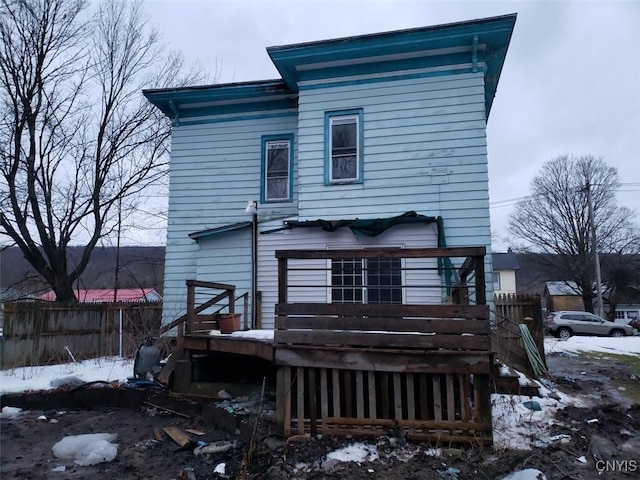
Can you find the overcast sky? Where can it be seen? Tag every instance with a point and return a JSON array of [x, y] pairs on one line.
[[570, 84]]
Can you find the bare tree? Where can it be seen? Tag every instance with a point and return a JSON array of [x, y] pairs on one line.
[[78, 141], [555, 219]]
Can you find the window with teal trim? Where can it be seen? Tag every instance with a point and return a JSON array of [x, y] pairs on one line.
[[276, 169], [343, 143]]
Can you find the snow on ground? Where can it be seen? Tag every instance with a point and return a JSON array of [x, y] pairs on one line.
[[620, 346], [23, 379]]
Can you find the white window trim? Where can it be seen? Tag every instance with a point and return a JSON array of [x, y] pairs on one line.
[[267, 143], [332, 120], [364, 286]]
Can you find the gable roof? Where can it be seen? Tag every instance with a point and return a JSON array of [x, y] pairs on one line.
[[105, 295], [561, 288], [505, 261]]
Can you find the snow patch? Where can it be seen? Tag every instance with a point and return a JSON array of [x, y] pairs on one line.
[[356, 452], [528, 474], [11, 412], [24, 379], [87, 449], [620, 346]]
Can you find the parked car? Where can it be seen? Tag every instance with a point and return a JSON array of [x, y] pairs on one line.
[[635, 323], [565, 324]]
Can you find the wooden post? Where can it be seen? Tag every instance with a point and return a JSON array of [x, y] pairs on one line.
[[232, 300], [481, 287], [191, 301], [282, 280]]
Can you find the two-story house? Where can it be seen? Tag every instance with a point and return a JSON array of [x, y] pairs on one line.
[[387, 129]]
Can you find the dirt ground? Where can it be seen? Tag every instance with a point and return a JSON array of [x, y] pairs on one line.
[[257, 453]]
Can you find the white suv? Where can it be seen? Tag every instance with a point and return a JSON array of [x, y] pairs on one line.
[[564, 324]]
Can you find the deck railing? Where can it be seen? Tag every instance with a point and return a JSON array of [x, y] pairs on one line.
[[203, 317], [358, 368]]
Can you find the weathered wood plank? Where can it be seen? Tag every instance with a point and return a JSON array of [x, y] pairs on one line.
[[397, 396], [384, 253], [383, 324], [348, 393], [282, 389], [433, 439], [228, 344], [384, 395], [300, 399], [392, 422], [393, 310], [359, 394], [337, 393], [424, 397], [451, 399], [177, 435], [437, 398], [389, 361], [387, 340], [482, 387], [324, 394], [204, 284], [286, 406], [411, 404], [311, 395], [372, 394], [465, 397]]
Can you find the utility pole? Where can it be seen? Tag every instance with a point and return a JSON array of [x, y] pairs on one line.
[[596, 257]]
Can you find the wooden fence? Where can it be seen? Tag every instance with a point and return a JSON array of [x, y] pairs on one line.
[[39, 333], [511, 311]]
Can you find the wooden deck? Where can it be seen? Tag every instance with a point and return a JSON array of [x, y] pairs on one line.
[[363, 369], [425, 369], [203, 343]]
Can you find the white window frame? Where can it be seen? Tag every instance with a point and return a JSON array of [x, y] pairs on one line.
[[365, 297], [337, 118], [267, 146]]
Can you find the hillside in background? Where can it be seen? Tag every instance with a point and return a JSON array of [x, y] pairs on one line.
[[139, 267]]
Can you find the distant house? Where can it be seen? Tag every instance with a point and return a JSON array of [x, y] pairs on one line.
[[560, 295], [625, 313], [505, 266], [372, 141], [106, 295]]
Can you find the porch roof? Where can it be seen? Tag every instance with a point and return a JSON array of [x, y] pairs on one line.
[[218, 230]]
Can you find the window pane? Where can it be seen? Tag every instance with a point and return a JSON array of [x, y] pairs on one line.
[[277, 170], [344, 148], [277, 160], [496, 280], [344, 135], [384, 280], [344, 167], [277, 188], [346, 281]]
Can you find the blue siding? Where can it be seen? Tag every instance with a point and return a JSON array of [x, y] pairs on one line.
[[424, 149], [215, 170]]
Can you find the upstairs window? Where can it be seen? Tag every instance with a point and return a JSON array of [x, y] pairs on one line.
[[496, 280], [343, 163], [277, 161]]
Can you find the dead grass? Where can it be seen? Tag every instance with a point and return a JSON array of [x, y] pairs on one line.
[[632, 362]]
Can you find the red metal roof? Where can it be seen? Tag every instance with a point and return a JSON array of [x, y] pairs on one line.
[[98, 295]]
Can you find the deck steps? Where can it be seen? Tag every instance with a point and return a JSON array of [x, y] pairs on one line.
[[509, 381]]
